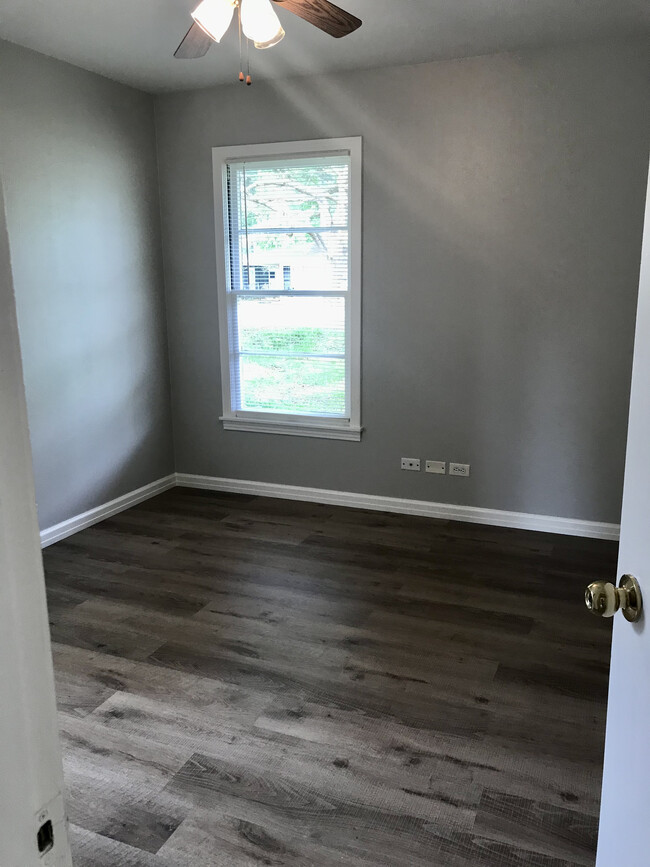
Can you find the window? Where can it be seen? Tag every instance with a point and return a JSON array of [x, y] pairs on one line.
[[289, 284]]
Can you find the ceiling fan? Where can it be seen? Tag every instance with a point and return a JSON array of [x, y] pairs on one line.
[[259, 22]]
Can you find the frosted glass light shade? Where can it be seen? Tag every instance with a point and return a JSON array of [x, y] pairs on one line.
[[260, 23], [214, 16]]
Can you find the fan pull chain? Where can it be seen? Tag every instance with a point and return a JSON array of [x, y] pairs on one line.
[[241, 64], [243, 78]]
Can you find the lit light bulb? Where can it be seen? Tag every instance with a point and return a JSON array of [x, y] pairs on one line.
[[260, 23], [214, 16]]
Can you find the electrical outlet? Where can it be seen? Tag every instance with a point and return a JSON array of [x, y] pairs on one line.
[[459, 470], [436, 467], [410, 464]]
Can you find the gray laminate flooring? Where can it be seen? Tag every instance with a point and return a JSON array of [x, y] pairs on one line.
[[244, 681]]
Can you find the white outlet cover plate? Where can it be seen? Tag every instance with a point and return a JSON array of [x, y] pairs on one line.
[[459, 470], [436, 467], [410, 464]]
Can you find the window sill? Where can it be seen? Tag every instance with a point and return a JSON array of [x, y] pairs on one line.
[[351, 433]]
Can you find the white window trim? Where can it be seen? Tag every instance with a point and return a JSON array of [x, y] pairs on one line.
[[278, 423]]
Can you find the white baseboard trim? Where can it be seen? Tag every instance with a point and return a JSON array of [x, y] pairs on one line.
[[447, 511], [86, 519]]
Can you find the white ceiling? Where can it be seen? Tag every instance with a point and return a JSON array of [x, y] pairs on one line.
[[133, 40]]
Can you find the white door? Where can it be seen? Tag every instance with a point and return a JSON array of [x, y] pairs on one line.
[[624, 838], [30, 759]]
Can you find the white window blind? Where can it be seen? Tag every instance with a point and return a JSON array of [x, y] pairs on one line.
[[288, 276]]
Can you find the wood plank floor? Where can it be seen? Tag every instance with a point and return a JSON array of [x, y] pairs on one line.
[[244, 681]]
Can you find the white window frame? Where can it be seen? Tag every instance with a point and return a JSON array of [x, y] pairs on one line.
[[282, 423]]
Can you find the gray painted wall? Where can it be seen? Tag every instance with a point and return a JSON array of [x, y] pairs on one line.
[[503, 205], [78, 162]]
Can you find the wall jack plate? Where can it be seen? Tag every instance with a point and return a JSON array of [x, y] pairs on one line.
[[459, 470], [436, 467], [410, 464]]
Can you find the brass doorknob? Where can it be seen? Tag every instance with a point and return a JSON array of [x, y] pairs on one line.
[[604, 600]]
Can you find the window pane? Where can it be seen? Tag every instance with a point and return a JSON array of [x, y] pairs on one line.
[[288, 253], [304, 194], [287, 325], [299, 261], [292, 385]]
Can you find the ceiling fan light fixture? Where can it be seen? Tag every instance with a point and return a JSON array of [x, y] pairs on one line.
[[214, 17], [260, 23]]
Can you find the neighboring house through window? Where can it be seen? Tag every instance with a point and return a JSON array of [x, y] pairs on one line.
[[288, 221]]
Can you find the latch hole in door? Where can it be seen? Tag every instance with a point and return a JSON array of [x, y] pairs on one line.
[[45, 837]]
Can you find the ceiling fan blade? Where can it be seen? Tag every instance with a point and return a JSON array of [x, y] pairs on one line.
[[324, 15], [195, 44]]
